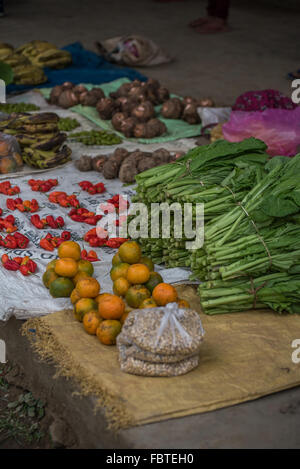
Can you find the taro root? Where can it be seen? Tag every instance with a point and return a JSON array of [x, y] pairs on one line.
[[98, 93], [128, 125], [189, 100], [125, 104], [172, 108], [155, 128], [146, 163], [122, 91], [112, 165], [206, 102], [55, 93], [98, 162], [153, 83], [78, 89], [161, 156], [117, 120], [137, 93], [128, 169], [106, 108], [67, 99], [140, 131], [67, 85], [84, 163], [190, 114], [162, 95], [143, 112], [88, 99]]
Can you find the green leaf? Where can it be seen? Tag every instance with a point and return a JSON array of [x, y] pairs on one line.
[[278, 207], [6, 73]]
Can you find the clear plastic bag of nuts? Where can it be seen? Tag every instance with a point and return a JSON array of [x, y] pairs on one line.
[[163, 341]]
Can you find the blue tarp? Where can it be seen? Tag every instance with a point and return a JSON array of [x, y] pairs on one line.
[[87, 67]]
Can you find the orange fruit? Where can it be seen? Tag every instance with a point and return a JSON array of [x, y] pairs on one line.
[[116, 259], [164, 293], [83, 306], [51, 265], [154, 279], [138, 273], [74, 296], [79, 276], [91, 321], [123, 317], [69, 249], [136, 295], [86, 267], [108, 331], [48, 277], [102, 296], [183, 303], [88, 287], [61, 287], [130, 252], [121, 286], [66, 267], [111, 307], [119, 270], [148, 262], [148, 303]]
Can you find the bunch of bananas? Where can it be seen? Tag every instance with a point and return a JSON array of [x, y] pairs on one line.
[[44, 54], [39, 137], [29, 60]]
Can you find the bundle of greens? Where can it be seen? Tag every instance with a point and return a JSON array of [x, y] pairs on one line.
[[196, 178]]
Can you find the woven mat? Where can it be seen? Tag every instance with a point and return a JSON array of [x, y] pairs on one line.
[[244, 356]]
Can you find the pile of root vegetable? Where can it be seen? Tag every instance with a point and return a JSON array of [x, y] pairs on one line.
[[131, 108], [251, 253], [124, 164]]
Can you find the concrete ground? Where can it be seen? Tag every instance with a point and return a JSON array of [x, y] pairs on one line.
[[259, 51], [257, 54]]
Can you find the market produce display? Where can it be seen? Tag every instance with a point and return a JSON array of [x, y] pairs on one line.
[[39, 137], [124, 164], [25, 265], [10, 154], [68, 94], [28, 60]]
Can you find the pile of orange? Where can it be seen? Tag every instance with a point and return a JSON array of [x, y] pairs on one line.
[[135, 285], [63, 274], [134, 279]]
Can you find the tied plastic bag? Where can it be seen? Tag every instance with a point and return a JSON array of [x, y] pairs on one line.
[[133, 50], [160, 341], [278, 128], [10, 154]]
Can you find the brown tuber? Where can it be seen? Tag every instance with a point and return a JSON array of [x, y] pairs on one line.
[[78, 89], [84, 163], [87, 98], [112, 165], [128, 125], [98, 162], [172, 108], [105, 108], [143, 112], [162, 95], [190, 114], [55, 94], [118, 119], [67, 99]]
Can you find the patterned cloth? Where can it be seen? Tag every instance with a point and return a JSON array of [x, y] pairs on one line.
[[261, 100]]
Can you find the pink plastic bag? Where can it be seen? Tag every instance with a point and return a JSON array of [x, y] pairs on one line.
[[278, 128]]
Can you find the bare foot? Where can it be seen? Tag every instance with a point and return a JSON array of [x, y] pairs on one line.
[[214, 25]]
